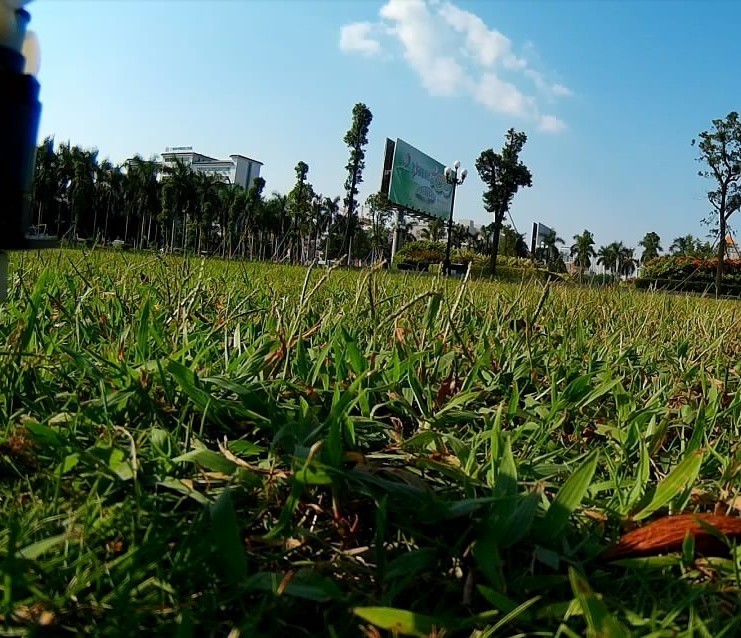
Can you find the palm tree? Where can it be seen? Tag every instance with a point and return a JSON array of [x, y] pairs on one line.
[[685, 245], [46, 184], [583, 250], [549, 251], [179, 200], [651, 244], [83, 165], [459, 236], [608, 256], [511, 243], [143, 196], [484, 239], [626, 261], [330, 208], [435, 230], [109, 196], [277, 216]]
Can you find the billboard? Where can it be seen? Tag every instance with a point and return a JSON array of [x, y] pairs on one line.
[[417, 182], [540, 232]]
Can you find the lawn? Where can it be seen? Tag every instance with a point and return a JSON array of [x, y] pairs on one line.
[[211, 448]]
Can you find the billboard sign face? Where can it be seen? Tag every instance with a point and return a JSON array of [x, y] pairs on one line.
[[543, 232], [418, 183]]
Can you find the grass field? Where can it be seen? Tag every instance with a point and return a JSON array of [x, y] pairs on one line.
[[196, 448]]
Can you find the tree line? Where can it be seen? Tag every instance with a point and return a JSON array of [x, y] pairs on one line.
[[78, 196], [617, 258]]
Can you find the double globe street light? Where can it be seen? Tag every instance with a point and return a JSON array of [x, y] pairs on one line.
[[451, 177]]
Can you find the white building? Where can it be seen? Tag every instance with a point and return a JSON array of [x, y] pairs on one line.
[[238, 169]]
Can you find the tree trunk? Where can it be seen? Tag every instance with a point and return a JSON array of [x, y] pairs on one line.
[[495, 244], [721, 253]]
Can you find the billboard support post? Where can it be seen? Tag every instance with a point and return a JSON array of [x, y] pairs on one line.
[[451, 177], [396, 232]]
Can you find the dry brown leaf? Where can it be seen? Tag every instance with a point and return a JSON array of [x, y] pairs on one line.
[[447, 389], [668, 533]]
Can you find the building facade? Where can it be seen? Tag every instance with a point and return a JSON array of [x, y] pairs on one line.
[[238, 169]]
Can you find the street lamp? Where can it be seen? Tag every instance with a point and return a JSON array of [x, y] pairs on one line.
[[451, 177]]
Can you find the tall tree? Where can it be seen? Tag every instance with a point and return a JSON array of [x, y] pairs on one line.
[[331, 207], [651, 244], [720, 151], [626, 264], [609, 256], [46, 185], [582, 250], [299, 203], [504, 174], [356, 139]]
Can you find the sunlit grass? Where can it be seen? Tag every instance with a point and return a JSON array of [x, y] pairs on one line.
[[196, 446]]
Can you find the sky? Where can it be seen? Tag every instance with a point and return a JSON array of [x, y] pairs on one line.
[[610, 94]]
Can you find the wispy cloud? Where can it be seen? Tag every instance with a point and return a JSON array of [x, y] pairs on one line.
[[358, 38], [454, 52]]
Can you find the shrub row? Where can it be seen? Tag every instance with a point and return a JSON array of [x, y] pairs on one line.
[[690, 274], [694, 268]]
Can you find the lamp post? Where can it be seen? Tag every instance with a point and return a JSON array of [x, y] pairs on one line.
[[451, 176]]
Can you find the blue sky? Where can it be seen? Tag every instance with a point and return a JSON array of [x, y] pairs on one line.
[[609, 93]]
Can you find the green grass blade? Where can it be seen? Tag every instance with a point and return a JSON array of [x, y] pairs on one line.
[[674, 484], [569, 497]]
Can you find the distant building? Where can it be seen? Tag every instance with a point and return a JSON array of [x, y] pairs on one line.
[[472, 227], [238, 169], [732, 251]]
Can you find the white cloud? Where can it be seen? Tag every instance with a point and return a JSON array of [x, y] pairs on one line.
[[551, 124], [560, 90], [356, 38], [503, 97], [551, 90], [485, 45], [415, 27], [454, 52]]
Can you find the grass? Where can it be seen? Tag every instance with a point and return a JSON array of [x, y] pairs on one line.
[[204, 448]]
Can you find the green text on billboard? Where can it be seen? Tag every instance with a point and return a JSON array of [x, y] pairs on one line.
[[418, 182]]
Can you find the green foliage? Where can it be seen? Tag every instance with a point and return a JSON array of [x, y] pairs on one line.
[[720, 154], [651, 244], [421, 253], [690, 246], [695, 274], [582, 250], [434, 231], [203, 447], [503, 174]]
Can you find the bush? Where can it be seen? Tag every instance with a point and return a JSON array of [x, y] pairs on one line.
[[421, 253], [429, 255], [691, 274], [468, 256]]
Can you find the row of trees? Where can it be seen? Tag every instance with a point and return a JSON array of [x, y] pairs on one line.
[[616, 257], [78, 196]]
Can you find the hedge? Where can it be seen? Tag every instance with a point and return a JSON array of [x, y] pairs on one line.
[[690, 274]]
